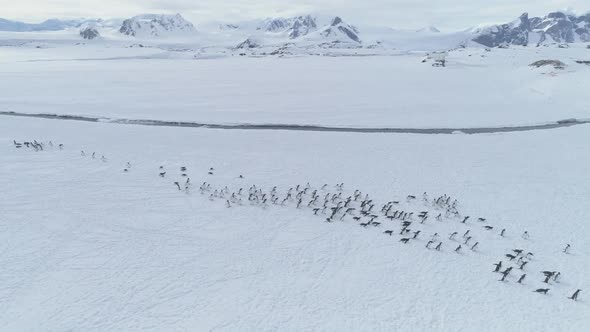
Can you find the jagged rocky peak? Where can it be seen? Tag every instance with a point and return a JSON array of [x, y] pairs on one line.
[[294, 27], [248, 43], [156, 25], [302, 25], [524, 21], [276, 25], [556, 27], [337, 20], [89, 33], [341, 31]]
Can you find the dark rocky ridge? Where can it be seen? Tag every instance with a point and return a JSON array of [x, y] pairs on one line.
[[556, 27]]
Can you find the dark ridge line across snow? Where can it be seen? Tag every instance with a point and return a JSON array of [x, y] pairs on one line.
[[429, 131]]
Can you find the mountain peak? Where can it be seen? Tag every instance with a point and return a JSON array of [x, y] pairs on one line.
[[156, 25], [337, 20], [556, 27], [341, 32]]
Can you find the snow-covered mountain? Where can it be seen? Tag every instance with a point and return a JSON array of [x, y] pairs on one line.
[[557, 27], [429, 29], [151, 25], [300, 32], [310, 34], [248, 43], [340, 31], [48, 25], [294, 27]]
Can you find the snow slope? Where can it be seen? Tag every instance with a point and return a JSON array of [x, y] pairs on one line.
[[476, 89], [85, 246]]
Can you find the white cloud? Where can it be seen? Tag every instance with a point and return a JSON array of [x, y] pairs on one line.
[[453, 14]]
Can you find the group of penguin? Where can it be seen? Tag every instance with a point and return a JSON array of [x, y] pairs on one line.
[[331, 203], [520, 260], [35, 145]]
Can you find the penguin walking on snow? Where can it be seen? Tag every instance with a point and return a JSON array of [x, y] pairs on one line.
[[498, 266], [575, 295]]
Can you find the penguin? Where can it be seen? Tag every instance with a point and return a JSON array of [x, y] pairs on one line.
[[575, 295], [521, 279], [517, 251], [458, 248], [547, 279], [542, 290], [498, 266]]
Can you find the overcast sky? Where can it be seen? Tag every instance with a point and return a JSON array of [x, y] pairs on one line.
[[446, 14]]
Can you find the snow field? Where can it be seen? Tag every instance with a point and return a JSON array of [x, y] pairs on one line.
[[87, 246]]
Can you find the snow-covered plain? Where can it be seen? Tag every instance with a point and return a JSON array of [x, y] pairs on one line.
[[87, 247], [478, 88]]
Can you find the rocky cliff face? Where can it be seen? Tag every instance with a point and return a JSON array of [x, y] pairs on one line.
[[89, 33], [556, 27]]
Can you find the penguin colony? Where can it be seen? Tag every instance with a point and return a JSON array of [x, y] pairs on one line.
[[334, 204]]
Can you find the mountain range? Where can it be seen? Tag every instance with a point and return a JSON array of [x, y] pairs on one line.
[[556, 27]]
